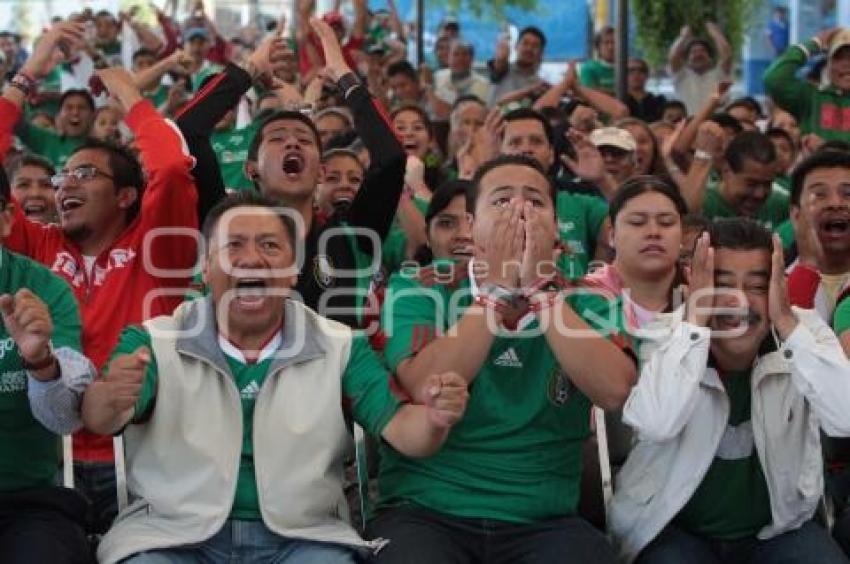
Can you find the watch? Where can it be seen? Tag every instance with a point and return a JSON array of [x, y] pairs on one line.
[[701, 155]]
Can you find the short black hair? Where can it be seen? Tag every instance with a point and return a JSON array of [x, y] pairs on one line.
[[675, 104], [779, 133], [31, 159], [81, 92], [535, 31], [528, 113], [698, 41], [507, 160], [468, 98], [403, 67], [247, 198], [822, 158], [727, 121], [126, 170], [749, 145], [104, 13], [143, 52], [281, 115], [639, 185], [747, 102], [597, 37], [739, 234]]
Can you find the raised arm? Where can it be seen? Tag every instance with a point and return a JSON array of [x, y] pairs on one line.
[[375, 204], [724, 50], [571, 86], [792, 94], [150, 77], [676, 56], [708, 146]]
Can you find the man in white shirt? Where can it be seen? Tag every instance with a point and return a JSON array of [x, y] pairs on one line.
[[695, 70], [459, 79]]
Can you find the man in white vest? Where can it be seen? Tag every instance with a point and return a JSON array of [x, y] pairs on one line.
[[234, 411]]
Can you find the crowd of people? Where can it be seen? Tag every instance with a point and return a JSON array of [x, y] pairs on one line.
[[223, 257]]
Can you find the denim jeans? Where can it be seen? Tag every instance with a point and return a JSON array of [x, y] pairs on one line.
[[806, 545], [96, 481], [248, 542], [422, 536]]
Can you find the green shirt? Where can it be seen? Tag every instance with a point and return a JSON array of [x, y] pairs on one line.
[[771, 215], [841, 317], [516, 454], [598, 74], [47, 143], [580, 219], [29, 453], [231, 147], [365, 384], [158, 96], [732, 502], [394, 249]]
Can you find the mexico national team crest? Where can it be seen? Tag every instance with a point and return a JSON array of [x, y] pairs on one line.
[[323, 270], [559, 387]]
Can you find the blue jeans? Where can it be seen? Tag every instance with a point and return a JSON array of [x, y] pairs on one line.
[[248, 542], [807, 545]]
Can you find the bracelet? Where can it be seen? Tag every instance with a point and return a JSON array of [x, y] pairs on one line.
[[24, 83], [41, 364], [701, 155]]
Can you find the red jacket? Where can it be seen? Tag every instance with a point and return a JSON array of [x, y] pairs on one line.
[[129, 284]]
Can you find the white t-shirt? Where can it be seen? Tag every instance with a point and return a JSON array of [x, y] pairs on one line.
[[694, 89]]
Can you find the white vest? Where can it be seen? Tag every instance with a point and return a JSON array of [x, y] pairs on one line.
[[183, 462]]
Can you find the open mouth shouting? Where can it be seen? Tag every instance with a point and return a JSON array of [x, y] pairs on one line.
[[293, 165], [251, 293]]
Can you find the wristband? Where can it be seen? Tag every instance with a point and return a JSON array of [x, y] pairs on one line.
[[24, 83], [496, 292], [538, 306], [347, 83], [701, 155], [554, 283]]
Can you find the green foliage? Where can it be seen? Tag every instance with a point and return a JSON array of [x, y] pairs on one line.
[[490, 9], [660, 21]]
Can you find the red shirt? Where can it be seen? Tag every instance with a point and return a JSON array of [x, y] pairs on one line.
[[125, 287], [353, 44]]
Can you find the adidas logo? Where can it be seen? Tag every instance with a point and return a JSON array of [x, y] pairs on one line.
[[508, 358], [250, 391]]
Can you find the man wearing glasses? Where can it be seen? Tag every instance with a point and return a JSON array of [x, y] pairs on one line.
[[642, 104], [108, 246]]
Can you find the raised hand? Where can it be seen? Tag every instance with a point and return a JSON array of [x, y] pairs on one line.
[[334, 60], [589, 164], [709, 138], [28, 322], [487, 140], [778, 303], [267, 54], [701, 283], [120, 84], [66, 36], [446, 398]]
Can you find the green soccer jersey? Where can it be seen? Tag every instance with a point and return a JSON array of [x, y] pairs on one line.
[[47, 143], [772, 213], [29, 453], [732, 502], [231, 147], [516, 454], [580, 219], [598, 74], [365, 385]]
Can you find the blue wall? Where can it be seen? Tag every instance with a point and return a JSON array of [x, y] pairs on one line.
[[563, 21]]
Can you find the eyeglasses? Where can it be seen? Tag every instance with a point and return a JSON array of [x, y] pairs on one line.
[[80, 174]]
